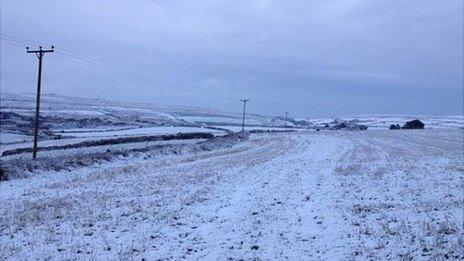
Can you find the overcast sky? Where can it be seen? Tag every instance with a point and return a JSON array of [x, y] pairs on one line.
[[310, 58]]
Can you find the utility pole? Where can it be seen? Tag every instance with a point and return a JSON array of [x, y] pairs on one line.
[[39, 53], [243, 114], [286, 116]]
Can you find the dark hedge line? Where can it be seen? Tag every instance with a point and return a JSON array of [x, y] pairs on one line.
[[121, 140]]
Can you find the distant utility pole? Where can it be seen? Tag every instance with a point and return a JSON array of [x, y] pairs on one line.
[[243, 115], [39, 53], [286, 116]]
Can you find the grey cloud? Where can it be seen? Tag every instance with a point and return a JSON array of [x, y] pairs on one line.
[[299, 56]]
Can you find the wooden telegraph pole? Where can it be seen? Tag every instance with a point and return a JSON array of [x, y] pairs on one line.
[[286, 118], [243, 114], [40, 54]]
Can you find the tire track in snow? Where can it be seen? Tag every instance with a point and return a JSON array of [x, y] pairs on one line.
[[276, 212]]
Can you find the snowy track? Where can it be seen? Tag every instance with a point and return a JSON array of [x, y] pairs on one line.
[[297, 196]]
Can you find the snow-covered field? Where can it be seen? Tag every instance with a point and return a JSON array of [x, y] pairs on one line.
[[140, 131], [65, 120], [74, 137], [7, 138], [329, 195], [384, 121]]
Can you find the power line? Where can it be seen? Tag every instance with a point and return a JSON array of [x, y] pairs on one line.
[[66, 54], [81, 59], [62, 50], [62, 54]]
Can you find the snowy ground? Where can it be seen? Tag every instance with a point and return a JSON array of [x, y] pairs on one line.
[[7, 138], [141, 131], [300, 196], [384, 121], [74, 137]]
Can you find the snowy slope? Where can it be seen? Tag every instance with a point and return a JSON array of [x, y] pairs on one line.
[[299, 196], [62, 116]]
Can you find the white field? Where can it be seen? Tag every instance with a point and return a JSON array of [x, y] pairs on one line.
[[329, 195], [140, 131], [253, 128], [237, 120], [77, 136], [7, 138], [384, 121]]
